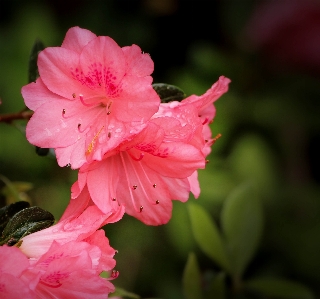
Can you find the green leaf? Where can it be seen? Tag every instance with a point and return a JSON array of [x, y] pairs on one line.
[[191, 279], [279, 288], [7, 212], [124, 294], [217, 288], [208, 236], [25, 222], [38, 46], [168, 93], [242, 224]]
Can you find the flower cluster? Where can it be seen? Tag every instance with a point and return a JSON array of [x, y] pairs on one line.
[[95, 105], [64, 260]]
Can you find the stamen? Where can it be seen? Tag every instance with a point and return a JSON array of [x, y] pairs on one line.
[[205, 121], [127, 177], [63, 112], [134, 158], [74, 95], [114, 273], [213, 140], [207, 161], [134, 187], [140, 182], [114, 199], [92, 144], [83, 102], [109, 134], [141, 209], [154, 185], [157, 202]]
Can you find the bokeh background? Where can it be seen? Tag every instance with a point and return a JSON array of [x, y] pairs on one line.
[[269, 121]]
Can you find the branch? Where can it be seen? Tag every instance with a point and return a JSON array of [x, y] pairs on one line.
[[8, 118]]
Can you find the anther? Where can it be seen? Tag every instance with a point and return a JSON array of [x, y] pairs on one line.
[[205, 121], [134, 187], [74, 95], [114, 199], [207, 161], [157, 202], [141, 209], [109, 134], [79, 125], [63, 111], [109, 112], [206, 140], [154, 185], [114, 273]]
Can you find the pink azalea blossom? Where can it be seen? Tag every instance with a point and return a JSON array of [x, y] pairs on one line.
[[64, 260], [13, 264], [91, 96], [160, 164]]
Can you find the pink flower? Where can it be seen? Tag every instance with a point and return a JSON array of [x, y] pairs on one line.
[[158, 165], [70, 270], [13, 264], [91, 96], [64, 260]]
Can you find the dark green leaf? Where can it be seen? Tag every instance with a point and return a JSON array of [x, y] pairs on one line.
[[38, 46], [208, 236], [191, 279], [279, 288], [168, 93], [242, 223], [7, 212], [25, 222], [217, 288]]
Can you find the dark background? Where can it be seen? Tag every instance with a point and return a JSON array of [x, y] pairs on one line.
[[269, 121]]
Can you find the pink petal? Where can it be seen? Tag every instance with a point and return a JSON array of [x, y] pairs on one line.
[[211, 95], [137, 101], [194, 184], [58, 68], [103, 63], [12, 287], [102, 183], [77, 38], [137, 63], [175, 159], [13, 261], [36, 93]]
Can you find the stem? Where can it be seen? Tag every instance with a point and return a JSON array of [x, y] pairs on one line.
[[9, 117]]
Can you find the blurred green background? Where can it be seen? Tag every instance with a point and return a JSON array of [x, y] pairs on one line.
[[269, 121]]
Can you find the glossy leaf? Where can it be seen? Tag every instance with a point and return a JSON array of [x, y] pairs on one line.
[[278, 288], [7, 212], [168, 93], [242, 223], [191, 279], [208, 236], [38, 46], [25, 222]]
